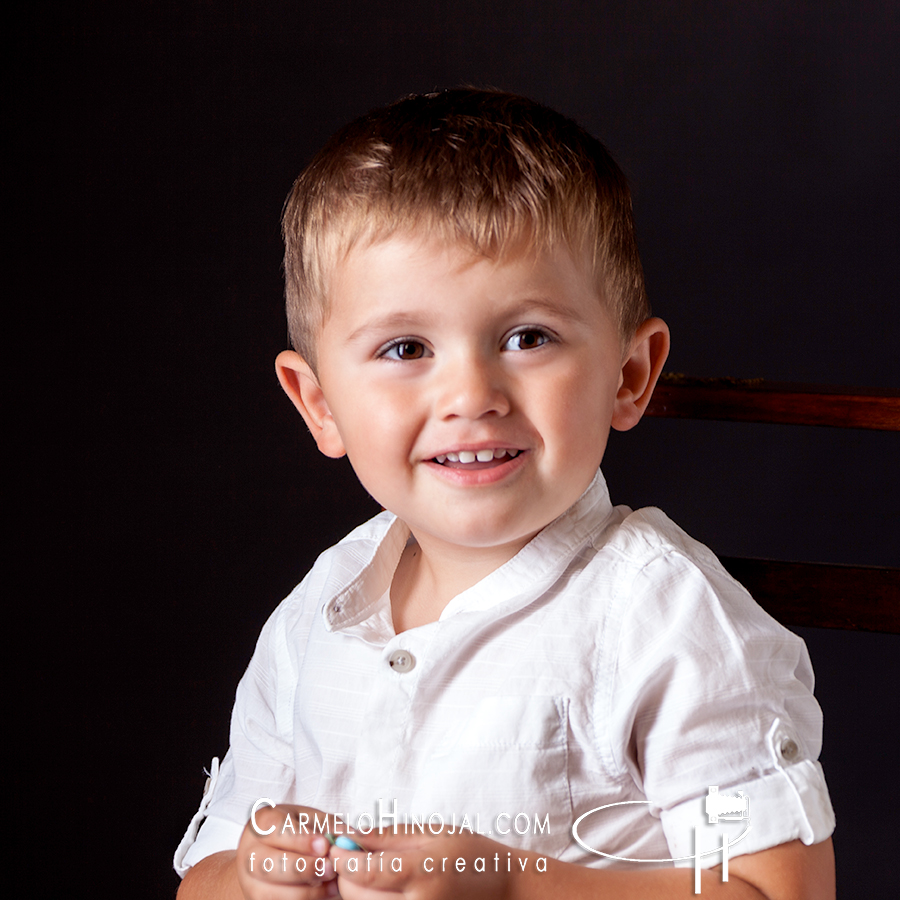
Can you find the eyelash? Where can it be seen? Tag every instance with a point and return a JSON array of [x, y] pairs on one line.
[[545, 337], [386, 350]]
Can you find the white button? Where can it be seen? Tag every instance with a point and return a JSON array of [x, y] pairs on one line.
[[402, 661], [789, 749]]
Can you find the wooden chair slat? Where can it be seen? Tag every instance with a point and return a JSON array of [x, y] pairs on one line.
[[756, 400], [857, 598]]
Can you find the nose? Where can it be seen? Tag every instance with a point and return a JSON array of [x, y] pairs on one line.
[[470, 388]]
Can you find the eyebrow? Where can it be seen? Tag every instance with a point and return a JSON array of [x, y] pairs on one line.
[[403, 321], [558, 308], [392, 321]]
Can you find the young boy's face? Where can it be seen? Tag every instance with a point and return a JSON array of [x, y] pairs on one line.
[[473, 397]]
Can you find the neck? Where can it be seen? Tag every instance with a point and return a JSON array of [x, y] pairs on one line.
[[430, 574]]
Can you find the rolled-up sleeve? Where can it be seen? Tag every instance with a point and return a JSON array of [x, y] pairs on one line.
[[713, 694], [260, 761]]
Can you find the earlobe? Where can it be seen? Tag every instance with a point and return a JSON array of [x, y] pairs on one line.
[[640, 371], [301, 384]]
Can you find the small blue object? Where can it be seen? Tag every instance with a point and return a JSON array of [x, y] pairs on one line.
[[345, 843]]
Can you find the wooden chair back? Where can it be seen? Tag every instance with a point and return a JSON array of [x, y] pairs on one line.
[[861, 598]]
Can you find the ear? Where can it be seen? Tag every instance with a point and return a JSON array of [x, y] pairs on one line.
[[302, 386], [640, 371]]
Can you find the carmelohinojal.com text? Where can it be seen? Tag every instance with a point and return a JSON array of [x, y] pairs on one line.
[[435, 824], [376, 863]]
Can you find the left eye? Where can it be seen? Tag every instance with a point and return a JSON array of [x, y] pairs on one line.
[[529, 339], [406, 350]]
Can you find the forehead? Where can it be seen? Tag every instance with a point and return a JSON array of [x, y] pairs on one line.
[[406, 270]]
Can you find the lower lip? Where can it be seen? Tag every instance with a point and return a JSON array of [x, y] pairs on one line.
[[476, 477]]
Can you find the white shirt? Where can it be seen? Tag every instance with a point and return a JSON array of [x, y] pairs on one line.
[[612, 659]]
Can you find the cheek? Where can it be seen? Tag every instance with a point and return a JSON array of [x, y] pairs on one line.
[[579, 411], [364, 408], [378, 431]]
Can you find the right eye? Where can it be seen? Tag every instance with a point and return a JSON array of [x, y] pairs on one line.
[[403, 350]]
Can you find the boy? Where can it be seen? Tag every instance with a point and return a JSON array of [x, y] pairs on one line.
[[501, 653]]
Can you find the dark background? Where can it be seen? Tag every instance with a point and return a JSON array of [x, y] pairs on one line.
[[169, 495]]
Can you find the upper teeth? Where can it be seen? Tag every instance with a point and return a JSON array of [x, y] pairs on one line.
[[470, 456]]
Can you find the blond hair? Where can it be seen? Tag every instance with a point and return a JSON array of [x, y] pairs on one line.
[[494, 171]]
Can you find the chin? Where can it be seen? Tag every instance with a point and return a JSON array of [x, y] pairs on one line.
[[482, 537]]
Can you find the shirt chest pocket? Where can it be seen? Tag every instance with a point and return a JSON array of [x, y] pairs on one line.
[[506, 761]]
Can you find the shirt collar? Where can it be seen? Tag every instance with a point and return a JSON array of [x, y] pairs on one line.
[[357, 599]]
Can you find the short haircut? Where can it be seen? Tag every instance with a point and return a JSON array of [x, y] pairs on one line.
[[487, 169]]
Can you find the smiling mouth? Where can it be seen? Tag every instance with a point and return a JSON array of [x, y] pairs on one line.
[[476, 459]]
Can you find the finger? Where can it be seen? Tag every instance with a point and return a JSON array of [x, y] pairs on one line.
[[258, 891], [295, 828], [379, 871], [351, 891], [282, 867]]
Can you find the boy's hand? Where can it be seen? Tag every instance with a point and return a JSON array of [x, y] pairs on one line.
[[291, 862], [427, 867], [416, 867]]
